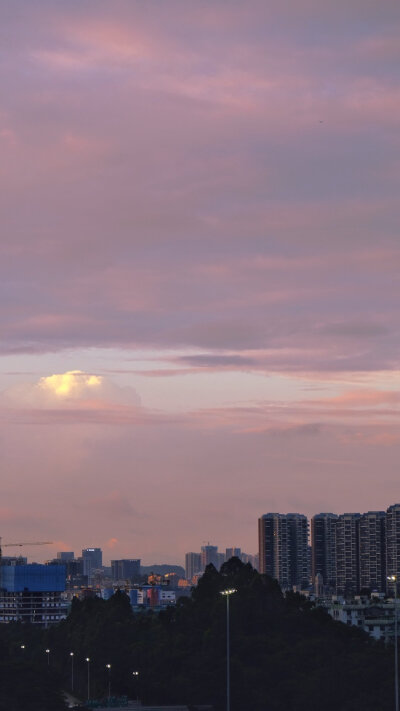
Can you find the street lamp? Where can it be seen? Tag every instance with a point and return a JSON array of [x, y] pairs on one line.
[[88, 677], [393, 579], [109, 680], [227, 594], [48, 656], [71, 654], [136, 675], [22, 646]]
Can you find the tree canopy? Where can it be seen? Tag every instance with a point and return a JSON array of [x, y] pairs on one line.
[[285, 653]]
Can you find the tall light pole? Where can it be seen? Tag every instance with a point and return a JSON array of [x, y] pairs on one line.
[[109, 680], [71, 654], [227, 594], [48, 657], [88, 677], [393, 579], [136, 675]]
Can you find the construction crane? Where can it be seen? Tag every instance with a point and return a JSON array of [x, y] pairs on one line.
[[18, 545]]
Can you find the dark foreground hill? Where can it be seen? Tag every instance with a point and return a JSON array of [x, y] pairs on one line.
[[285, 654]]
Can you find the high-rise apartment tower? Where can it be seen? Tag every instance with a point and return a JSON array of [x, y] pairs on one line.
[[323, 545], [372, 551], [393, 545], [283, 541], [347, 554]]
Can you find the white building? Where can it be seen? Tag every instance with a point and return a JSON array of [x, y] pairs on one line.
[[373, 615]]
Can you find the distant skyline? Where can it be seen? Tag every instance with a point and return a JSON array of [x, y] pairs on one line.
[[199, 269]]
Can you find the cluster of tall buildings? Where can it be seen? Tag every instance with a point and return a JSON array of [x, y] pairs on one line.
[[196, 563], [84, 570], [349, 553]]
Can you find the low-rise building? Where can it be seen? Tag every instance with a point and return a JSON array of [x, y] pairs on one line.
[[373, 615]]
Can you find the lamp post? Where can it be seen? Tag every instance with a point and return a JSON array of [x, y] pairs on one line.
[[136, 675], [108, 666], [393, 579], [48, 657], [71, 654], [227, 594], [88, 677]]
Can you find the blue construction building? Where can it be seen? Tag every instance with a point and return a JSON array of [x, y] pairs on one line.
[[32, 593]]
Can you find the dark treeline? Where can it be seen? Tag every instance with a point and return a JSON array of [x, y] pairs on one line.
[[285, 654]]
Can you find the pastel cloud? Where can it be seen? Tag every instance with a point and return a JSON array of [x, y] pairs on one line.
[[233, 162], [217, 183]]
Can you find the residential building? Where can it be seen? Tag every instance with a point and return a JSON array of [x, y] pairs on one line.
[[347, 531], [283, 543], [233, 553], [392, 545], [374, 616], [298, 550], [323, 550], [372, 556]]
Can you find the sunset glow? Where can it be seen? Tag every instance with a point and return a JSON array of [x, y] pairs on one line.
[[199, 268]]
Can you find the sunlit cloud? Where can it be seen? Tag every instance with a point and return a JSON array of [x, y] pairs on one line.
[[73, 384], [70, 390]]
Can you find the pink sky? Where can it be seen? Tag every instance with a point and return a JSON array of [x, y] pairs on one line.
[[200, 224]]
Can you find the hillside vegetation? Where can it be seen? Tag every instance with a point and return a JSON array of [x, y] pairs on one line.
[[286, 655]]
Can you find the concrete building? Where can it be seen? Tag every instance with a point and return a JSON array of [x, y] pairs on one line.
[[298, 550], [221, 559], [33, 593], [372, 556], [92, 560], [154, 596], [209, 554], [192, 565], [233, 553], [125, 569], [347, 554], [65, 556], [250, 558], [392, 544], [374, 616], [323, 550], [283, 543]]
